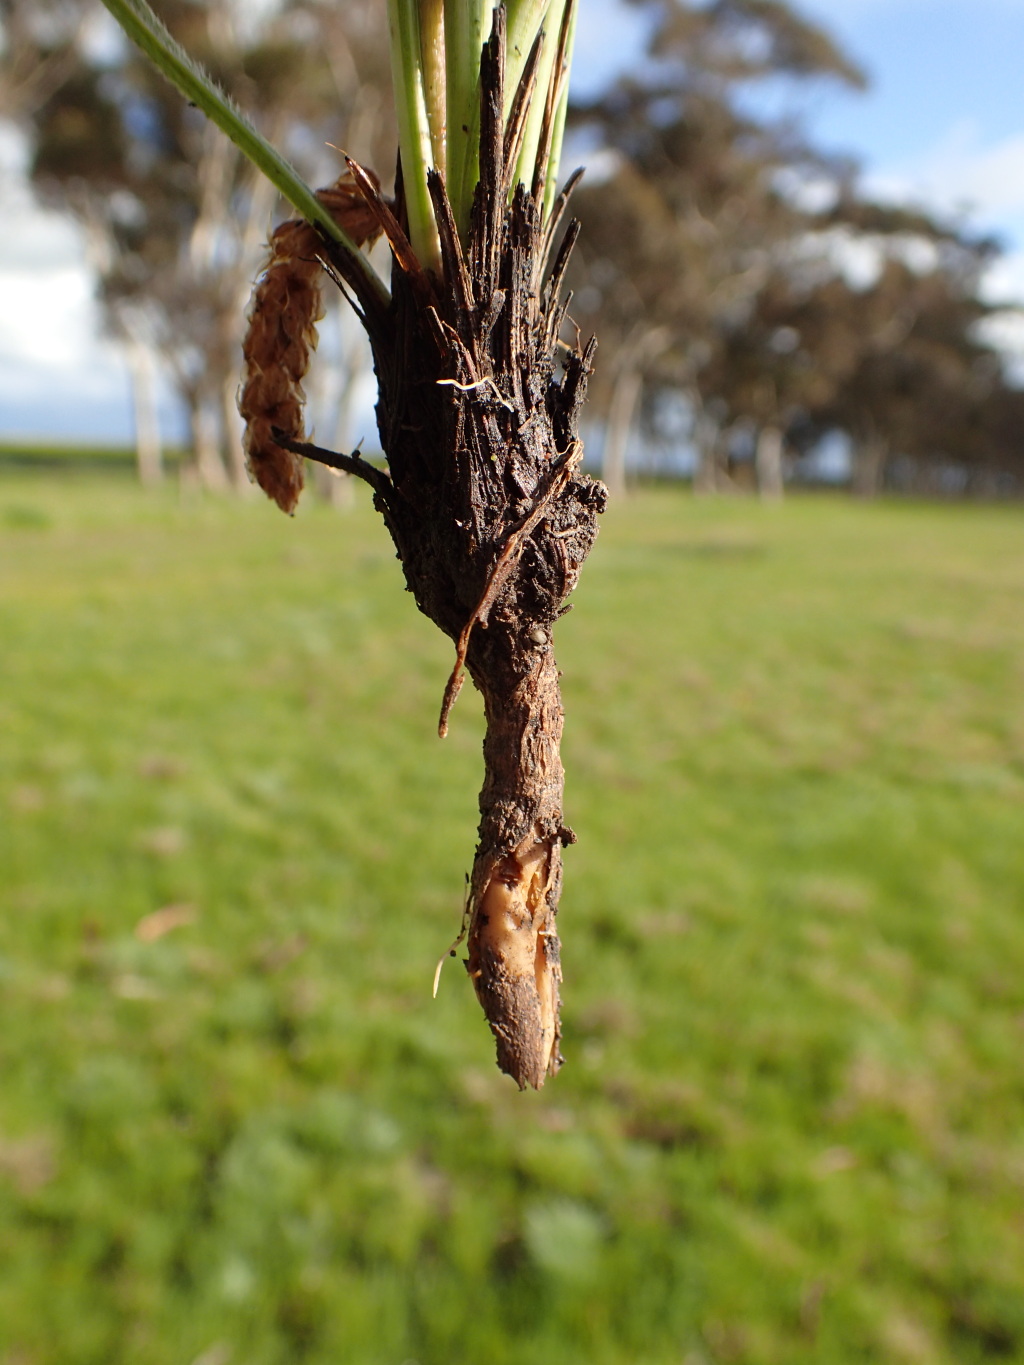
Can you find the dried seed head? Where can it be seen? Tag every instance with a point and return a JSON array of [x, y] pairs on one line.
[[286, 305]]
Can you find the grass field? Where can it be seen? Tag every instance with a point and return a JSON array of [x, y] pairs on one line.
[[31, 457], [791, 1124]]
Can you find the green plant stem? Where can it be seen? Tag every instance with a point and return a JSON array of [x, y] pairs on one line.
[[413, 128], [466, 27], [433, 56], [525, 19], [558, 134], [552, 21], [150, 35]]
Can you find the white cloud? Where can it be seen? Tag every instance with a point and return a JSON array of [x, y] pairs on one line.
[[57, 376], [1005, 285], [986, 179], [47, 317], [981, 183], [986, 182], [1005, 281], [963, 176], [33, 238], [82, 401]]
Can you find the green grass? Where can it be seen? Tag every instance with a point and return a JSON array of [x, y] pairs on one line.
[[791, 1124], [35, 457]]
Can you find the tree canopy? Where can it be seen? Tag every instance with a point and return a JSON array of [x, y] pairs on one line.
[[728, 259]]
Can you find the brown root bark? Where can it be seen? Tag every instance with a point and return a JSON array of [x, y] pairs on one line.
[[492, 519], [514, 954]]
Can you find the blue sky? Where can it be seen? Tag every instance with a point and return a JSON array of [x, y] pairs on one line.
[[933, 65], [943, 118], [942, 123]]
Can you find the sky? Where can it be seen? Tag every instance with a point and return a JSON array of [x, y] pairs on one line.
[[941, 124], [942, 121]]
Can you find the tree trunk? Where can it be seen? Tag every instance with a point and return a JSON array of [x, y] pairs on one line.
[[209, 465], [870, 457], [768, 464], [621, 414], [337, 489], [148, 449], [705, 475], [333, 487], [643, 345], [708, 477], [238, 471]]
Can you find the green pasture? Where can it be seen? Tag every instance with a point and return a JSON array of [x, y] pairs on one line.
[[790, 1127], [33, 457]]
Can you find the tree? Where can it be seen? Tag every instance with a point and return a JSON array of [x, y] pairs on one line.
[[700, 208], [911, 372], [175, 217], [716, 274], [1001, 470], [479, 403]]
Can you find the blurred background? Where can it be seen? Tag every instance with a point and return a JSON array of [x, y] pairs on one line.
[[803, 244], [234, 1127]]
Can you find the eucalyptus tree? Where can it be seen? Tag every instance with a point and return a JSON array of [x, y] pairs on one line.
[[912, 372], [700, 205], [174, 216], [478, 411]]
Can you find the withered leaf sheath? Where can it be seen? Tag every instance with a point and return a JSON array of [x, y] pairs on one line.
[[492, 517], [287, 303]]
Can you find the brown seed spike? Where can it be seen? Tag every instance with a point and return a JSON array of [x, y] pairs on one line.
[[286, 305]]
